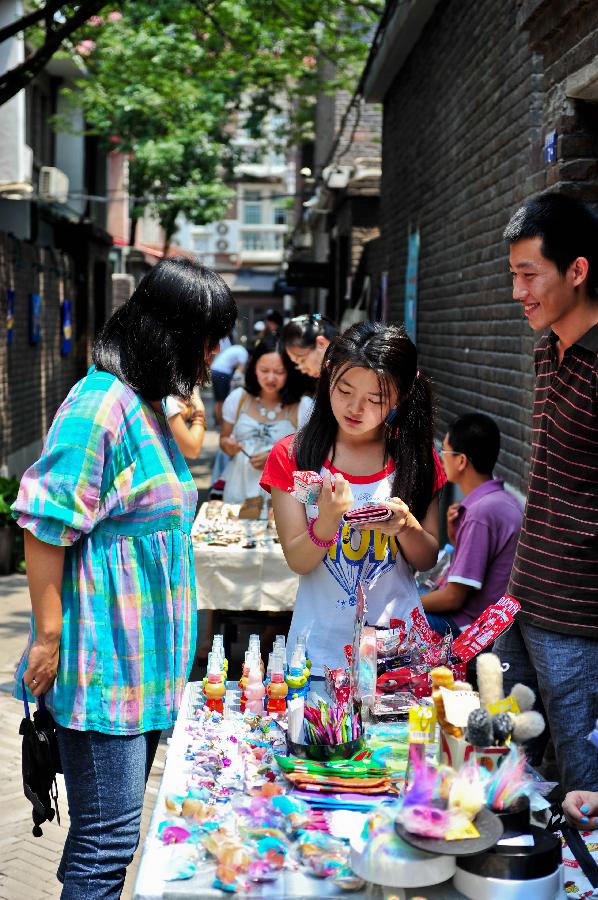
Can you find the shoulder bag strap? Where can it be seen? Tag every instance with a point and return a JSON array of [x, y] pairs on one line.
[[581, 853], [242, 403]]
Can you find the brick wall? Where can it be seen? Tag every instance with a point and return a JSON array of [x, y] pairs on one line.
[[361, 136], [461, 134], [34, 379], [565, 33]]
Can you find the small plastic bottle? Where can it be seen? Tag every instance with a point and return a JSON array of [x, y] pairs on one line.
[[277, 689], [215, 688], [255, 647], [244, 679], [296, 678], [218, 647], [255, 691]]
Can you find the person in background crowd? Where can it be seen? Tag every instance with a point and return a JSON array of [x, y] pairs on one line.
[[553, 644], [187, 421], [107, 512], [306, 339], [225, 364], [270, 406], [483, 527], [372, 428], [273, 322]]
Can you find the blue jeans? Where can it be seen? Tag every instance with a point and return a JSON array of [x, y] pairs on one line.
[[442, 623], [561, 669], [105, 778]]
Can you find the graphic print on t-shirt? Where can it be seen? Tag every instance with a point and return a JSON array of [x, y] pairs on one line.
[[359, 556]]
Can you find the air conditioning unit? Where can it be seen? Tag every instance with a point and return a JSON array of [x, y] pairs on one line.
[[367, 167], [222, 246], [337, 177], [221, 228], [53, 185]]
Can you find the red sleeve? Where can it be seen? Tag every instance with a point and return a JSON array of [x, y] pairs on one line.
[[439, 475], [280, 465]]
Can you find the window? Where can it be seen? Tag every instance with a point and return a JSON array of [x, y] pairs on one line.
[[252, 208], [262, 241], [252, 240], [281, 216], [252, 214]]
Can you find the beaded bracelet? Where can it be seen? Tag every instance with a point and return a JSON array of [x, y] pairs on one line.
[[316, 540]]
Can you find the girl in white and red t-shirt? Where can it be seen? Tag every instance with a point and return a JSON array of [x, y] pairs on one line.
[[372, 428]]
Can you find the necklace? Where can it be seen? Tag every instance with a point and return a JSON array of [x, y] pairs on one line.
[[269, 414]]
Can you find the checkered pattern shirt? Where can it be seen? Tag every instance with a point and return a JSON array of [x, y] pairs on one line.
[[112, 488]]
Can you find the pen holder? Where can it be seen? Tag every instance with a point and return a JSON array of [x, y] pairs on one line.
[[326, 752]]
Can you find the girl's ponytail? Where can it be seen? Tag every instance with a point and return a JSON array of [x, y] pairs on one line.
[[410, 442]]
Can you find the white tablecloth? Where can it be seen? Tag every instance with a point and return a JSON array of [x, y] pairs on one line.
[[233, 579], [291, 885]]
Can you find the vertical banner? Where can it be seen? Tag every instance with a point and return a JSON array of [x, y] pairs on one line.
[[35, 318], [10, 316], [411, 285], [66, 317]]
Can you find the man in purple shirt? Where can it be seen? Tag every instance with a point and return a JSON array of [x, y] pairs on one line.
[[483, 527]]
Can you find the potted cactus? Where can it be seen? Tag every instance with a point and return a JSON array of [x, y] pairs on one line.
[[9, 488]]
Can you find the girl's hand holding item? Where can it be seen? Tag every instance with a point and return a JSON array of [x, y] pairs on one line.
[[197, 411], [581, 809], [258, 460], [418, 540], [42, 665], [333, 503], [402, 519], [230, 445]]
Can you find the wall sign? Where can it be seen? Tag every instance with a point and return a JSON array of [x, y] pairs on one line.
[[66, 322], [550, 148], [10, 316], [413, 244], [35, 318]]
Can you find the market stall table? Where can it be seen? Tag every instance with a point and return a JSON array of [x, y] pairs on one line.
[[150, 883], [233, 575]]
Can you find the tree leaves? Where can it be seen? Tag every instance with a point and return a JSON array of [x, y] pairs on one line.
[[168, 80]]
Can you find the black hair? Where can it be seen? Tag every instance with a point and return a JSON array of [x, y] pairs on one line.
[[272, 315], [302, 331], [156, 342], [387, 351], [296, 384], [568, 229], [478, 437]]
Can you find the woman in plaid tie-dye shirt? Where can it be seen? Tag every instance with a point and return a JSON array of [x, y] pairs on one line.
[[108, 510]]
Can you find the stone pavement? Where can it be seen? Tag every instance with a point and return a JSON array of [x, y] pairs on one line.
[[28, 864]]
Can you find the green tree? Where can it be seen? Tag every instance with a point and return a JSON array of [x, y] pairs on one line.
[[167, 80]]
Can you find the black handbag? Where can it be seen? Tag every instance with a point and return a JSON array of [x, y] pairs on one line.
[[41, 763]]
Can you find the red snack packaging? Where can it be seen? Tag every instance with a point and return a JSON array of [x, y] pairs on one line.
[[338, 684], [420, 623], [486, 628]]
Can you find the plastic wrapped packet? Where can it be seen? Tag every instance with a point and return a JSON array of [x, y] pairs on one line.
[[306, 487]]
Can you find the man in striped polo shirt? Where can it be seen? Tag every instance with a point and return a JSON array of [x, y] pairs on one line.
[[553, 645]]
